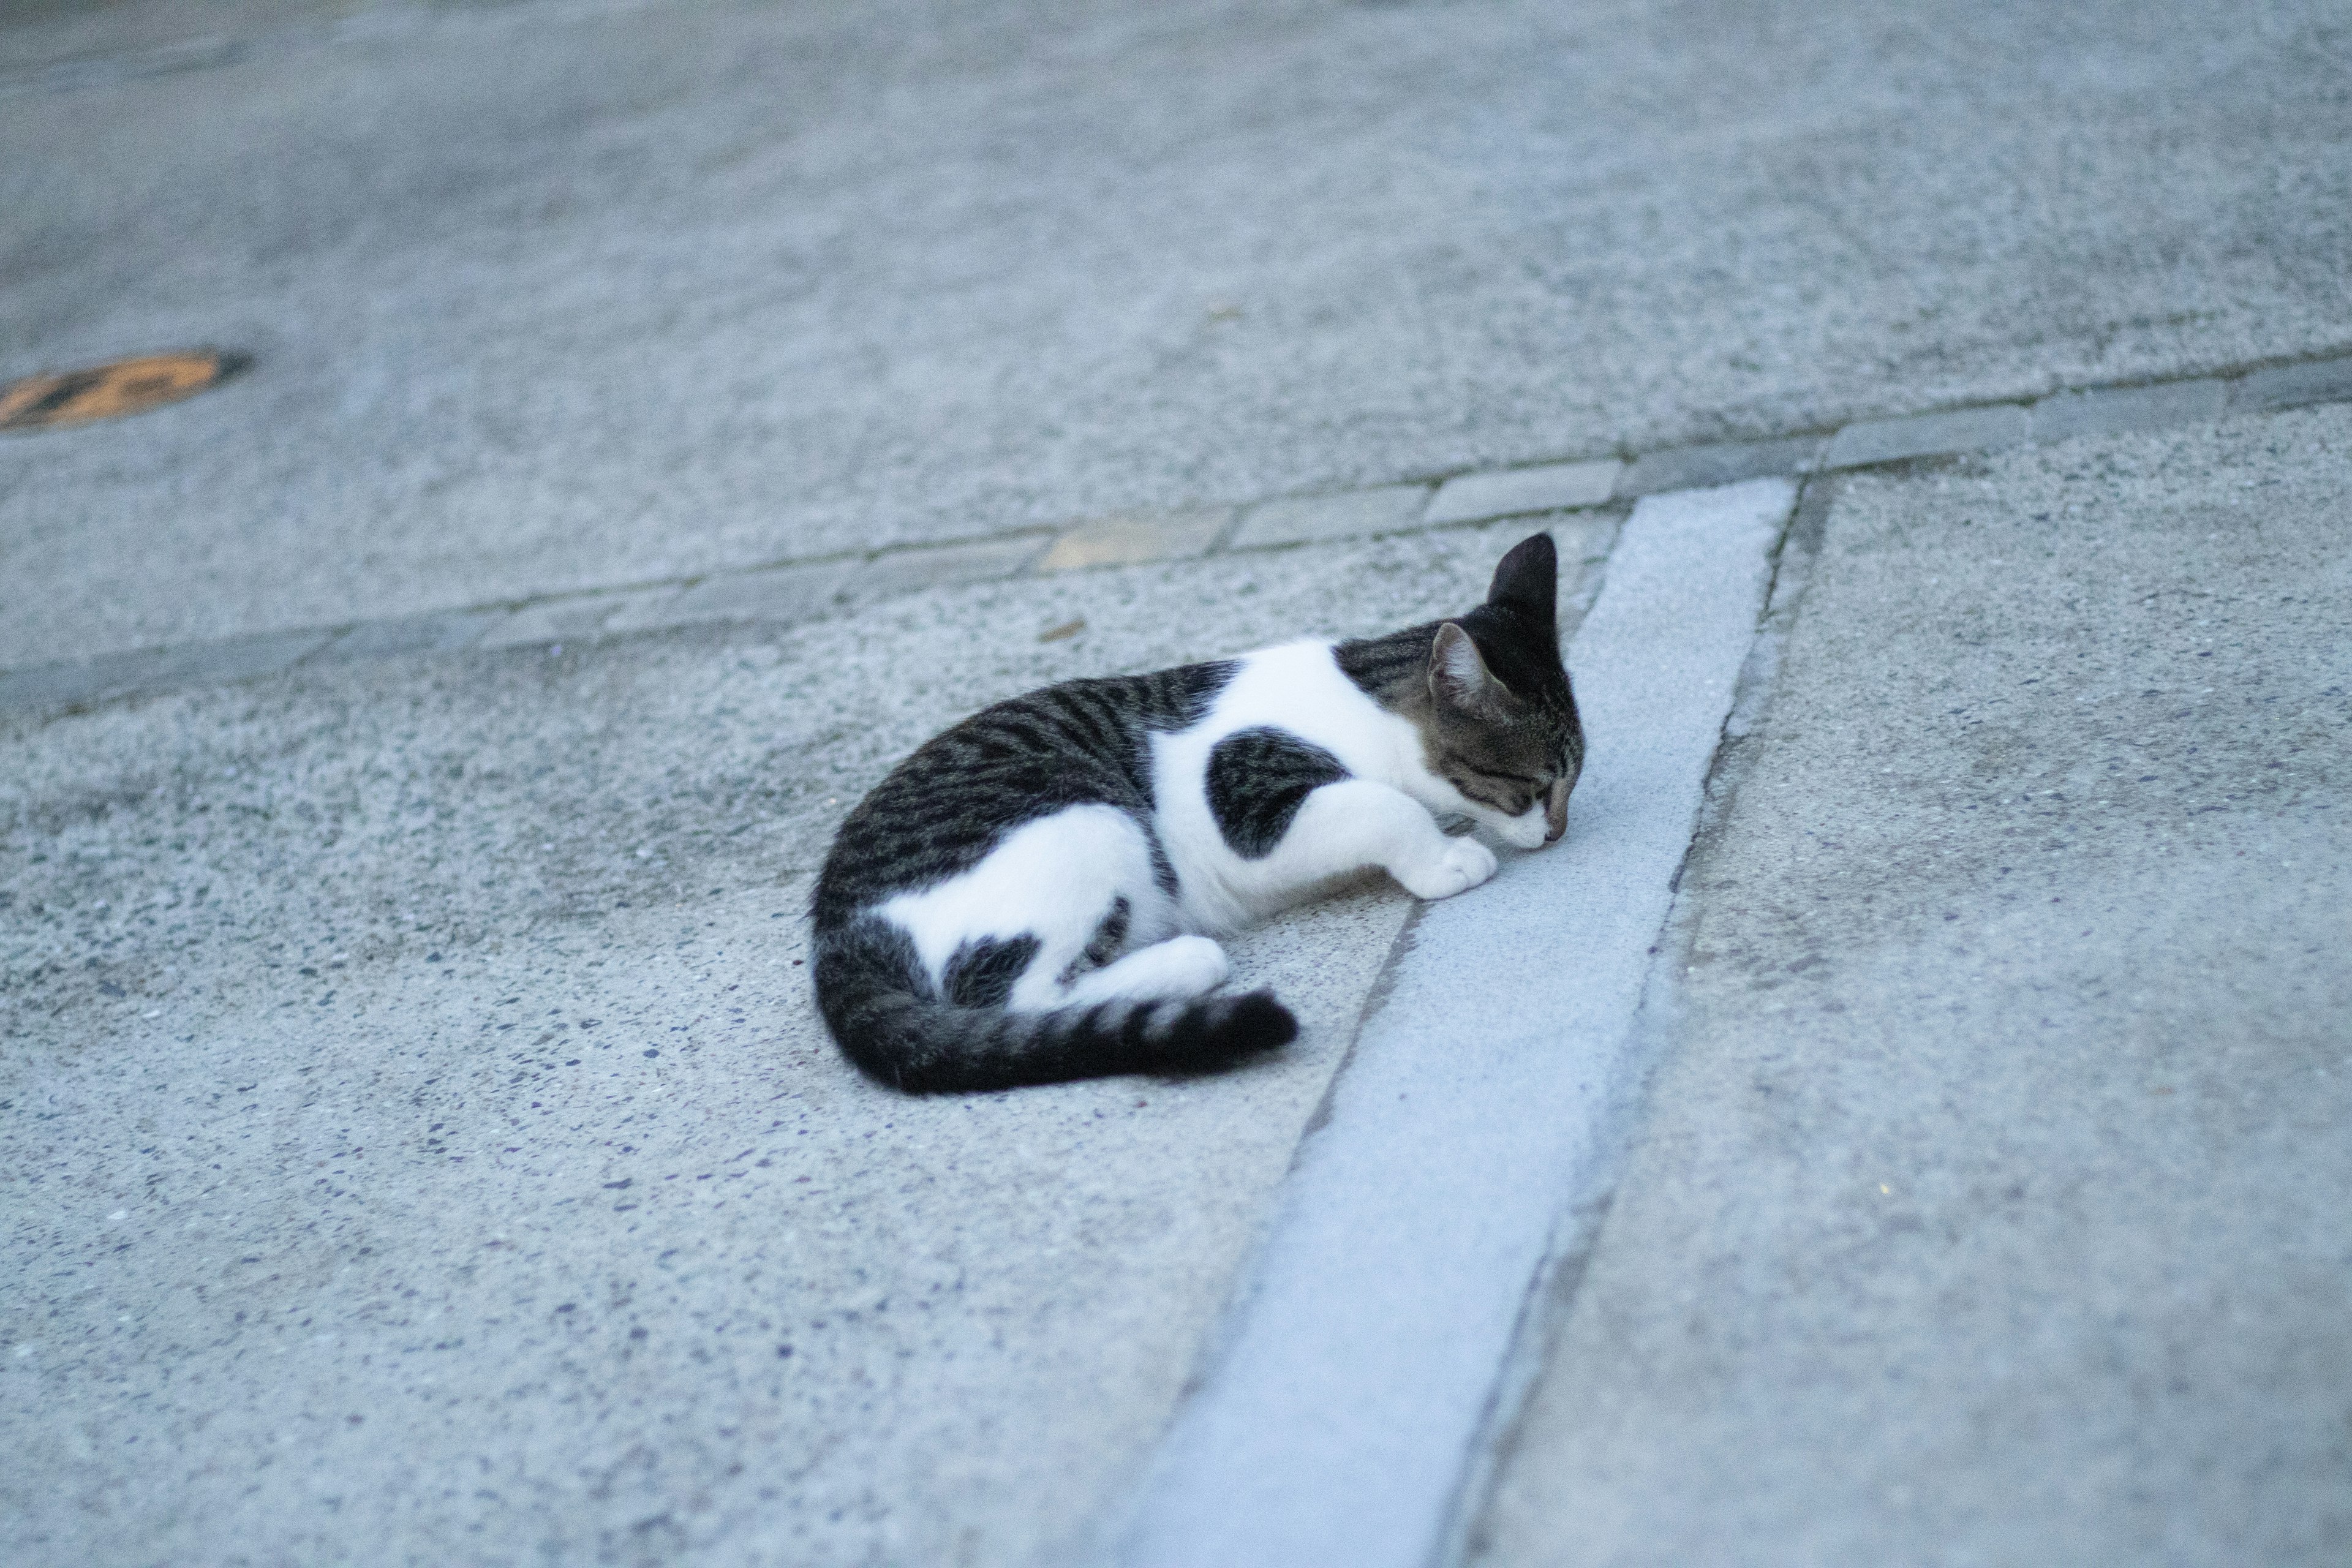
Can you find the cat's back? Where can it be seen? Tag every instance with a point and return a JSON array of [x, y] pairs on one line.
[[1078, 743], [1302, 691]]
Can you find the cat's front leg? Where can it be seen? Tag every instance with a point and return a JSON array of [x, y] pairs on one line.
[[1354, 823], [1461, 864]]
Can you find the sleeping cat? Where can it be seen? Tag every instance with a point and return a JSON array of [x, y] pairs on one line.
[[1032, 895]]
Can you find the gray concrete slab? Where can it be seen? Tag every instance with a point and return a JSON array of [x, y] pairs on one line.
[[1359, 1364], [437, 633], [235, 658], [2112, 410], [1992, 1205], [77, 681], [1546, 487], [903, 570], [44, 35], [784, 594], [587, 616], [1129, 539], [1348, 514], [416, 1142], [1928, 436], [1720, 463], [555, 297], [2294, 386]]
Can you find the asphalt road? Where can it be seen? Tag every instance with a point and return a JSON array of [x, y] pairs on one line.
[[415, 1142]]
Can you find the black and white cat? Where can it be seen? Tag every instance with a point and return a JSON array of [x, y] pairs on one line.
[[1033, 895]]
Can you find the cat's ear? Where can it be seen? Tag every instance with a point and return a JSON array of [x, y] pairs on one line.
[[1458, 677], [1527, 580]]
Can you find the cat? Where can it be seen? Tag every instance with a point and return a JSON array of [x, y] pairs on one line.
[[1033, 895]]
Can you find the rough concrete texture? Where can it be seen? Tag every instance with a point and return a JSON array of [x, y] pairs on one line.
[[1991, 1205], [416, 1144], [565, 295]]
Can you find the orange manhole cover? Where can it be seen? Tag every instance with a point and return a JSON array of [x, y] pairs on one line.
[[107, 390]]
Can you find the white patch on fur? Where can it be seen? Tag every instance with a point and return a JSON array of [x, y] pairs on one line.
[[1055, 878], [1382, 816], [1171, 970], [1525, 831]]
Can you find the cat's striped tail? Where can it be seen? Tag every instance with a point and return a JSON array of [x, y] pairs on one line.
[[891, 1021]]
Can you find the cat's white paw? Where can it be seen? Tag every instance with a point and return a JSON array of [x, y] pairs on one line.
[[1462, 865], [1190, 965], [1171, 970]]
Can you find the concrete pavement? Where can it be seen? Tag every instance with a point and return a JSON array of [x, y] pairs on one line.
[[1991, 1201], [420, 1146], [415, 1143], [567, 295]]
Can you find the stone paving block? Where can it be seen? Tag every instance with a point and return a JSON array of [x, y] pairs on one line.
[[74, 681], [1928, 436], [1554, 486], [2293, 385], [904, 571], [583, 616], [1350, 514], [157, 669], [777, 593], [1703, 467], [233, 659], [2111, 410], [1128, 540], [439, 632]]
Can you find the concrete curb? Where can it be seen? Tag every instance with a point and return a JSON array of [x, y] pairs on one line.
[[1356, 1372], [1552, 1293], [800, 590]]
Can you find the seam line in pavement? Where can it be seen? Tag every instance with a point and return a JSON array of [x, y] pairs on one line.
[[808, 588], [1552, 1292], [1346, 1398]]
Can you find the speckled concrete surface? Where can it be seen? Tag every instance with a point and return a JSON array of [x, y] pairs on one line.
[[1918, 1255], [416, 1143], [1995, 1205], [556, 296]]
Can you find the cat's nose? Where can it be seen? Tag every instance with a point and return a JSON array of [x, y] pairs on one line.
[[1556, 812]]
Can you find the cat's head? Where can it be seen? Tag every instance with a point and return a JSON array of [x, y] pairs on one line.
[[1502, 727]]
